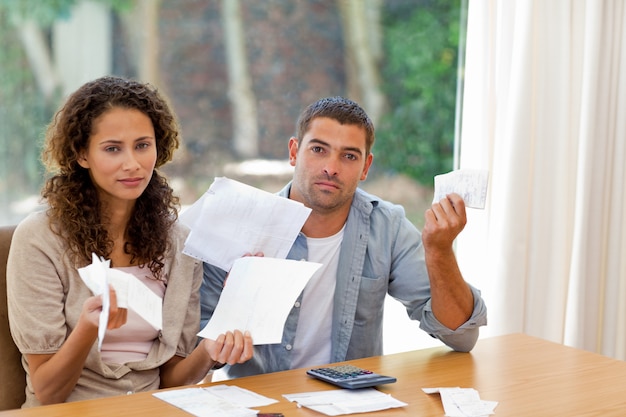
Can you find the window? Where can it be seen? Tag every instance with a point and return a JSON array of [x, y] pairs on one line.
[[237, 74]]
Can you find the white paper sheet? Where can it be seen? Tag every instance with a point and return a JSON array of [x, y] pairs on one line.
[[232, 219], [130, 292], [470, 184], [241, 396], [202, 402], [98, 284], [258, 295], [345, 401]]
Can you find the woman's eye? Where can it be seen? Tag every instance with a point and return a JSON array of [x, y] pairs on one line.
[[111, 149]]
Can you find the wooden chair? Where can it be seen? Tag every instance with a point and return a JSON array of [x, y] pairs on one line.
[[12, 375]]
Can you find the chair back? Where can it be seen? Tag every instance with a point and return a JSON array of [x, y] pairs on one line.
[[12, 375]]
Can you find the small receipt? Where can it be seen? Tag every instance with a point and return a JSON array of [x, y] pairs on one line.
[[470, 184], [463, 402]]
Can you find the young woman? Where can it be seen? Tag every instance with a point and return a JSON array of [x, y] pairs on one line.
[[106, 196]]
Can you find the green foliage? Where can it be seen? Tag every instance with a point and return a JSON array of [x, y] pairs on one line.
[[42, 12], [22, 116], [416, 137], [46, 12]]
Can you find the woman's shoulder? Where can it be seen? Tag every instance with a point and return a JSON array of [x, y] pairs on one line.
[[34, 224], [34, 234]]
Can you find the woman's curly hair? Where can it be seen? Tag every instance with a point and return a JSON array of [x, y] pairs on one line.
[[75, 209]]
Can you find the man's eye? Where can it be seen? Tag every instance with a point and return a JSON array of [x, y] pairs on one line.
[[351, 157], [317, 149]]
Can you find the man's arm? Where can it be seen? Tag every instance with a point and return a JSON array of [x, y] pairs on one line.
[[452, 301], [210, 291]]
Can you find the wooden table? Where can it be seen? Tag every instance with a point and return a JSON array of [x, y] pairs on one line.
[[526, 375]]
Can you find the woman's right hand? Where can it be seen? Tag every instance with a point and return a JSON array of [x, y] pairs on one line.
[[54, 375], [92, 307]]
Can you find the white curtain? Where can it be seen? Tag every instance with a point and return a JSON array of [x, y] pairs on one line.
[[544, 110]]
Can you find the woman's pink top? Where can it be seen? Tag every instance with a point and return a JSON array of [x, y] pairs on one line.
[[132, 341]]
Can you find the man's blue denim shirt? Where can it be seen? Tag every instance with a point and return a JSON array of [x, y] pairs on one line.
[[381, 253]]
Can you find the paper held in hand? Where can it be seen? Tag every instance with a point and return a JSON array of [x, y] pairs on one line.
[[470, 184], [258, 295], [130, 292], [232, 219], [95, 277]]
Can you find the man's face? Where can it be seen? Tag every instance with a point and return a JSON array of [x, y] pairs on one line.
[[329, 163]]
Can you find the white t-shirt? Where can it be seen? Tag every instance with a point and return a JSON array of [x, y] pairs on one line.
[[312, 341]]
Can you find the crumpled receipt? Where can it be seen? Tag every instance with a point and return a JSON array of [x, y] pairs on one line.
[[131, 293], [463, 402], [470, 184], [345, 401]]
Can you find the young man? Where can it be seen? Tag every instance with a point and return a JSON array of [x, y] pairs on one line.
[[368, 249]]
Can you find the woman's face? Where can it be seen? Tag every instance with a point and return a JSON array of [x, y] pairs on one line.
[[121, 155]]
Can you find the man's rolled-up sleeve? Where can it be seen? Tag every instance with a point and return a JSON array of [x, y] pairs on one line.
[[465, 336]]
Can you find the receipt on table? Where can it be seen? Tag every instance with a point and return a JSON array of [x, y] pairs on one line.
[[470, 184], [203, 402], [463, 402], [345, 401]]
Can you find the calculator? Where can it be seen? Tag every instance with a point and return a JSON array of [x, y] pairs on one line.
[[349, 376]]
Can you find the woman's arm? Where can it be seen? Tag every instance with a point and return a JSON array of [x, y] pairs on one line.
[[54, 376], [232, 347]]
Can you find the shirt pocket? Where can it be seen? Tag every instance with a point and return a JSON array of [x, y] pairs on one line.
[[372, 292]]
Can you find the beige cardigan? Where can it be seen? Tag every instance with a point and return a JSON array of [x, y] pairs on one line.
[[45, 299]]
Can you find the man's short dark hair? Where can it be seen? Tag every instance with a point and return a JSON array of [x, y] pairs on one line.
[[341, 109]]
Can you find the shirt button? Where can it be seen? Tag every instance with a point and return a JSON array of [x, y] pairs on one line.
[[297, 304], [288, 347], [303, 259], [129, 392]]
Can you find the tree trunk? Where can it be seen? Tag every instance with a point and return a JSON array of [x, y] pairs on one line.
[[144, 39], [39, 57], [82, 44], [242, 99], [362, 37]]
